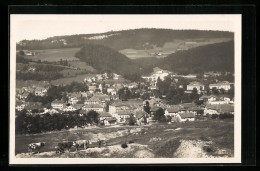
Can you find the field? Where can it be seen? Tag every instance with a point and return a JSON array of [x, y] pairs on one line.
[[81, 65], [199, 139], [52, 55], [170, 47], [68, 80]]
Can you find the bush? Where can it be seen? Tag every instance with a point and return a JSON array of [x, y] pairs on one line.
[[130, 142], [124, 145], [132, 120], [214, 116], [207, 149], [226, 116]]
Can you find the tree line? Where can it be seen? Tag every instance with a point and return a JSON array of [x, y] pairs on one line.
[[30, 124]]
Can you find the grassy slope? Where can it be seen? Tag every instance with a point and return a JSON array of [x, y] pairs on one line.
[[221, 132]]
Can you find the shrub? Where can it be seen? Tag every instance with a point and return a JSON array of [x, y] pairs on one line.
[[214, 116], [124, 145], [207, 149], [130, 142], [226, 116]]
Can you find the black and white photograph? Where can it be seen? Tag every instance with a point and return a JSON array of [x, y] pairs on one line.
[[108, 89]]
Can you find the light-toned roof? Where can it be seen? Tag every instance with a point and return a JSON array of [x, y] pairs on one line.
[[187, 115], [93, 106], [58, 101], [104, 114], [124, 112], [223, 108]]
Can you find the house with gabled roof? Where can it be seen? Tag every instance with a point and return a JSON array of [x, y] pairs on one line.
[[40, 91], [172, 111], [58, 104], [141, 117], [95, 107], [106, 118], [184, 117], [220, 85]]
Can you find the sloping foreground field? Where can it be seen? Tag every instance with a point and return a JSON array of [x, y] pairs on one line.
[[199, 139]]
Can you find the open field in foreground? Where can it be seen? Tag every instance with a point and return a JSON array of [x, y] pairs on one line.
[[199, 139]]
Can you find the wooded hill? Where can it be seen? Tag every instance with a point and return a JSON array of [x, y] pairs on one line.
[[137, 39], [214, 57]]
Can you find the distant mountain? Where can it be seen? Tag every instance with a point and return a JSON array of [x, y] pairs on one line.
[[213, 57], [127, 39]]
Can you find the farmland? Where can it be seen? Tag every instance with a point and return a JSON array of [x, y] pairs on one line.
[[210, 138], [53, 55], [68, 80], [170, 47]]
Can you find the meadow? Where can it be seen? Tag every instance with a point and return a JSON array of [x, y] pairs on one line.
[[52, 55], [170, 47]]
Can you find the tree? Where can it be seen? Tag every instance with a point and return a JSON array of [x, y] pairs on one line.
[[215, 91], [159, 115], [147, 108], [145, 96], [222, 91], [93, 117], [124, 93], [132, 120]]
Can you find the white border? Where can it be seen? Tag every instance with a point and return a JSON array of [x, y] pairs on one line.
[[236, 19]]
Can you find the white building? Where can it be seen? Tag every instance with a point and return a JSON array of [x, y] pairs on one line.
[[200, 87], [58, 104], [221, 85]]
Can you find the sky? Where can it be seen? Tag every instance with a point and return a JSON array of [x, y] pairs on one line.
[[43, 26]]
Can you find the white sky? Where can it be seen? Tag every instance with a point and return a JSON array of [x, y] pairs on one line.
[[44, 26]]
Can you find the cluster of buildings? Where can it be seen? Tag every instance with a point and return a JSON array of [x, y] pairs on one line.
[[103, 98]]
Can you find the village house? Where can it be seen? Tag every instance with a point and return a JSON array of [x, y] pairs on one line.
[[58, 104], [141, 117], [111, 91], [19, 106], [123, 116], [221, 85], [116, 76], [184, 117], [172, 111], [107, 119], [51, 111], [23, 96], [212, 74], [74, 97], [189, 76], [210, 98], [30, 106], [132, 85], [95, 107], [153, 88], [73, 108], [92, 88], [93, 100], [219, 108], [200, 87], [157, 73], [40, 91]]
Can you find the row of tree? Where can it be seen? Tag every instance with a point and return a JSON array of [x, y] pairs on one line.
[[57, 92], [29, 124]]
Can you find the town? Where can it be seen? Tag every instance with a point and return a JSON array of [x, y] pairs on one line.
[[141, 93], [163, 96]]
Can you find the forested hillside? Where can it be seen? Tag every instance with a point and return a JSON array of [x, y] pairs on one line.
[[105, 59], [214, 57], [118, 40]]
